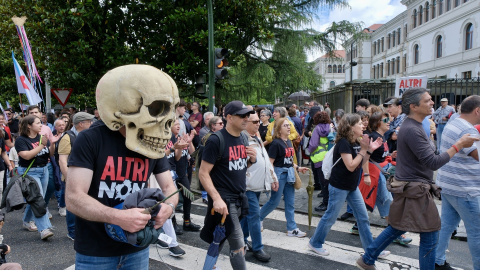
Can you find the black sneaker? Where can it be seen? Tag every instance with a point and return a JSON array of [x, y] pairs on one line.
[[178, 230], [261, 255], [320, 195], [176, 251], [162, 244], [322, 207], [192, 227], [249, 246], [346, 216], [445, 266]]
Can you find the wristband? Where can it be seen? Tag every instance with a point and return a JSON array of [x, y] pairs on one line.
[[455, 147], [366, 174], [369, 153], [363, 156]]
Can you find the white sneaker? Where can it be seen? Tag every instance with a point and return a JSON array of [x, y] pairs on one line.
[[319, 251], [384, 254], [62, 211], [261, 226], [45, 234], [30, 226], [296, 233]]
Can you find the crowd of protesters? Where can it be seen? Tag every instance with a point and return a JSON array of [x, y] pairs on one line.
[[387, 150]]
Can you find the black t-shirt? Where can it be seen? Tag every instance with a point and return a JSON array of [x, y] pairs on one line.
[[2, 149], [263, 131], [13, 126], [26, 144], [341, 177], [381, 152], [117, 172], [229, 173], [171, 157], [282, 154]]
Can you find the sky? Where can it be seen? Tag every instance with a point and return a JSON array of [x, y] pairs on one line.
[[367, 11]]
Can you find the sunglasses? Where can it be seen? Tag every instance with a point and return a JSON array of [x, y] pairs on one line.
[[386, 120], [221, 123], [255, 122], [242, 115]]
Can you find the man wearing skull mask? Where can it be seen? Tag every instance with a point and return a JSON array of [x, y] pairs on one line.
[[224, 179], [115, 158]]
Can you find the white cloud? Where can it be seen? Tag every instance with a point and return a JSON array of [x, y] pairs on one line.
[[367, 11]]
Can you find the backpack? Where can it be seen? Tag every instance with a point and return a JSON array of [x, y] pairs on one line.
[[328, 164], [72, 140], [198, 154], [319, 153]]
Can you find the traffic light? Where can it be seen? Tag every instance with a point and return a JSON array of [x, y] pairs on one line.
[[220, 63], [201, 84]]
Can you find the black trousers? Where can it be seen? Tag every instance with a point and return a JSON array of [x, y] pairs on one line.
[[187, 203]]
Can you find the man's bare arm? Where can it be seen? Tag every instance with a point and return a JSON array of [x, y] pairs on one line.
[[62, 162], [165, 182], [83, 205]]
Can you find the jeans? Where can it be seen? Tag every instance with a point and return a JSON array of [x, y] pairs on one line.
[[70, 219], [51, 184], [440, 128], [251, 224], [288, 196], [40, 174], [133, 261], [426, 251], [235, 240], [61, 197], [453, 209], [335, 203], [384, 197]]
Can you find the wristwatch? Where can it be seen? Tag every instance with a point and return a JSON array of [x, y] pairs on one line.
[[173, 210]]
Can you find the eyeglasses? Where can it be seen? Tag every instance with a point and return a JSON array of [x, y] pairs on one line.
[[8, 113], [220, 123], [262, 115], [255, 122], [386, 120], [286, 125]]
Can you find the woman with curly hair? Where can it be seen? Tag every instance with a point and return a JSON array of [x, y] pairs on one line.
[[318, 147], [351, 152]]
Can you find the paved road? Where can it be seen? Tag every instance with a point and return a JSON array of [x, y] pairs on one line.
[[287, 252]]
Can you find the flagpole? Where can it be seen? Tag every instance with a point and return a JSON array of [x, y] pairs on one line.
[[21, 105]]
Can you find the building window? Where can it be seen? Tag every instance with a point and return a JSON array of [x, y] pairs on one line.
[[381, 70], [469, 36], [404, 63], [383, 44], [393, 66], [467, 75], [334, 68], [339, 69], [405, 32], [449, 5], [332, 84], [378, 71], [343, 69], [457, 3], [439, 46], [434, 7], [414, 18], [427, 9], [388, 68], [388, 41], [329, 68], [398, 36], [416, 53], [440, 7], [420, 15], [374, 48], [374, 71], [393, 38], [398, 64]]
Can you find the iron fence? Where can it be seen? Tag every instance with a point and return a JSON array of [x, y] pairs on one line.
[[376, 91]]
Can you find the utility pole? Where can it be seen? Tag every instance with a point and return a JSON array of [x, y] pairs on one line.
[[211, 59]]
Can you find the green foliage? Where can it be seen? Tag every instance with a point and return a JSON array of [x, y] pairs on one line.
[[79, 41]]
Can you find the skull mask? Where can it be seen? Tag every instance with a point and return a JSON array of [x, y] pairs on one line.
[[143, 99]]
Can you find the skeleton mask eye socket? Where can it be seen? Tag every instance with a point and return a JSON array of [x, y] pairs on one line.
[[158, 108]]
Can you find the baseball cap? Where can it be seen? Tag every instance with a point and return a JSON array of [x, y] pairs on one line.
[[81, 116], [393, 101], [237, 107], [444, 99]]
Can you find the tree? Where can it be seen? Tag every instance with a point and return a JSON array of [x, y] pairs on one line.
[[78, 41]]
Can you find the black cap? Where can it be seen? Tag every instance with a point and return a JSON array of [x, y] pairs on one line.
[[237, 107]]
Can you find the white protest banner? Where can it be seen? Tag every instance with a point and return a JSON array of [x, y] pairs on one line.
[[404, 83]]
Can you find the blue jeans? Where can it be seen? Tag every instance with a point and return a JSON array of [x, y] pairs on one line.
[[51, 184], [288, 196], [440, 128], [70, 219], [40, 174], [426, 251], [384, 197], [251, 224], [335, 202], [61, 197], [453, 209], [133, 261]]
